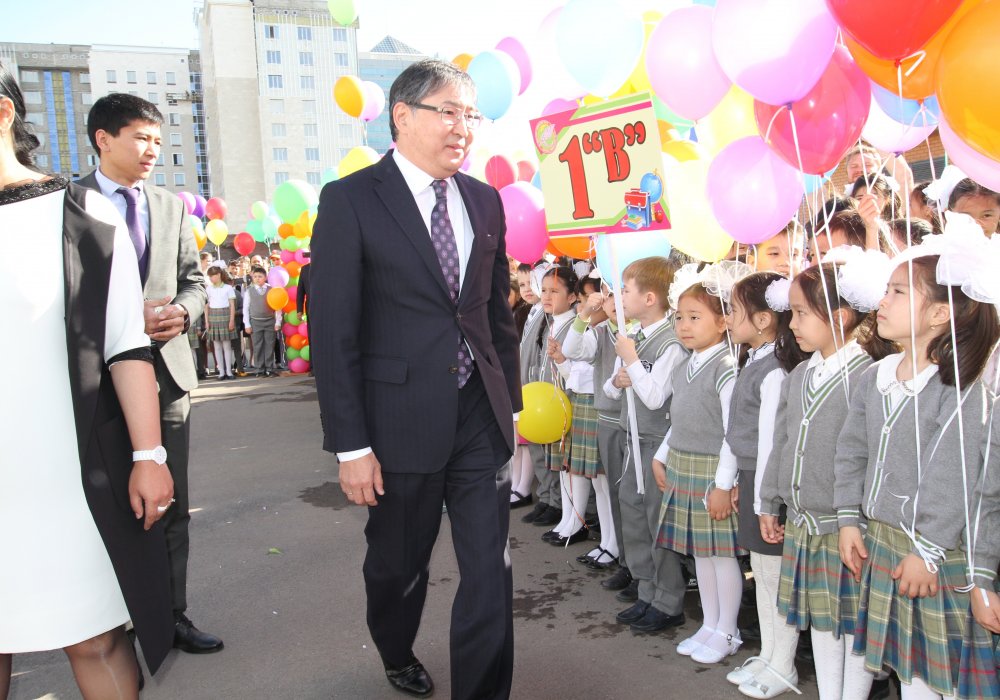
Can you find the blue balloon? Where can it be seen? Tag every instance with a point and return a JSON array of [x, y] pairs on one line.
[[599, 43], [814, 182], [652, 185], [497, 80], [910, 112], [536, 179], [706, 3], [626, 248]]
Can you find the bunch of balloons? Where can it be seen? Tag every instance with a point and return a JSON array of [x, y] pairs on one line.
[[362, 99], [198, 209]]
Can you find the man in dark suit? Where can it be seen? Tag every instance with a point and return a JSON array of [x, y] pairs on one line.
[[416, 361], [125, 132]]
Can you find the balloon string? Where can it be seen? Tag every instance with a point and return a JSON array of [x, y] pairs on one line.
[[919, 55], [767, 133], [974, 531]]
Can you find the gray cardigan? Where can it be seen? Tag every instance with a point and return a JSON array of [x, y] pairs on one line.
[[697, 425]]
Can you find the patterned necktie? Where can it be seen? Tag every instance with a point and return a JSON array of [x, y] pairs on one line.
[[640, 336], [135, 232], [443, 238]]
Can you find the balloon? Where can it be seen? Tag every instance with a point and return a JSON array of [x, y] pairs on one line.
[[582, 37], [547, 413], [965, 71], [303, 226], [286, 257], [776, 50], [732, 119], [286, 230], [374, 101], [579, 247], [515, 49], [293, 268], [306, 354], [559, 105], [357, 158], [189, 202], [342, 11], [298, 366], [297, 341], [500, 171], [288, 330], [199, 206], [984, 170], [639, 78], [524, 211], [682, 67], [617, 251], [462, 60], [329, 175], [217, 231], [497, 80], [293, 318], [258, 209], [293, 293], [693, 228], [291, 198], [293, 282], [216, 208], [892, 29], [545, 57], [349, 94], [277, 297], [291, 353], [906, 111], [304, 329], [536, 180], [270, 227], [828, 119], [666, 114], [200, 238], [814, 182], [887, 135], [255, 228], [753, 193], [917, 72], [301, 256], [277, 277], [244, 243], [525, 171]]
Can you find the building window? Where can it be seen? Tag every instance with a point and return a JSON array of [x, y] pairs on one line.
[[270, 31], [160, 179], [31, 76], [339, 34], [313, 178], [309, 106], [171, 78], [179, 180], [175, 119], [112, 76], [178, 159], [151, 77], [84, 78], [130, 76], [305, 58], [278, 130], [42, 160], [312, 154], [310, 130], [305, 33], [340, 59], [279, 154], [273, 57], [274, 81], [277, 106], [153, 97], [175, 139], [92, 160], [280, 177], [307, 82], [87, 98], [32, 97]]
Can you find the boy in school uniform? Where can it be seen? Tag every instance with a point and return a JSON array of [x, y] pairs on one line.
[[261, 322], [645, 363]]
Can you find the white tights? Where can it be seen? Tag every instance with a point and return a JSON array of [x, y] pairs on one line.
[[609, 543], [720, 587], [575, 494], [918, 690], [778, 639], [839, 673], [224, 349], [523, 471]]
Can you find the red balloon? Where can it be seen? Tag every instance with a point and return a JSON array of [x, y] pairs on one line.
[[216, 208], [244, 243], [892, 29], [827, 120], [525, 171], [501, 171]]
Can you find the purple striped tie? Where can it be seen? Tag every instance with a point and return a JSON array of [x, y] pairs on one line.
[[135, 231], [443, 238]]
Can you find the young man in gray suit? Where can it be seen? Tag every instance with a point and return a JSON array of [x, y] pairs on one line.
[[125, 132]]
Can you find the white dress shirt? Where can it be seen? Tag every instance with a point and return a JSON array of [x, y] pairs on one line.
[[653, 387], [826, 368], [577, 375], [109, 188]]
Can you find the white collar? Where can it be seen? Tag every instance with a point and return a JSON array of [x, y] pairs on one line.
[[698, 357], [109, 187], [559, 320], [887, 382], [416, 179], [651, 328], [760, 353], [838, 359]]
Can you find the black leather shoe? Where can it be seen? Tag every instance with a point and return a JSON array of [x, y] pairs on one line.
[[580, 535], [629, 593], [655, 620], [538, 510], [550, 535], [634, 613], [521, 500], [189, 638], [412, 680], [621, 579], [549, 518]]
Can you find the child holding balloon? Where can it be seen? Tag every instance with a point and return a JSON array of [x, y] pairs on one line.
[[261, 322], [220, 323]]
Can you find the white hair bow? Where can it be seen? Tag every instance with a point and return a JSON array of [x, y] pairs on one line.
[[862, 275], [718, 278], [940, 190], [969, 259]]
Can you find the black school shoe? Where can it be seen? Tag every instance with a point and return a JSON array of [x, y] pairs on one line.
[[521, 501], [655, 620], [619, 581], [629, 593], [539, 509], [633, 613], [580, 535], [553, 516], [411, 679]]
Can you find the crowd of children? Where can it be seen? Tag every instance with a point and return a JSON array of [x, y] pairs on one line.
[[835, 421]]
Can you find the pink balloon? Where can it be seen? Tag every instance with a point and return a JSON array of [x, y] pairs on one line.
[[293, 293], [287, 256], [524, 211], [752, 192], [374, 101], [289, 330], [500, 171], [189, 201], [525, 171], [298, 366], [515, 49], [277, 277], [980, 168], [886, 134], [559, 105], [303, 329], [774, 49], [681, 64], [300, 256]]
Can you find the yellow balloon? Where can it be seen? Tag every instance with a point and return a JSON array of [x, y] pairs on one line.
[[674, 146], [693, 228], [200, 238], [216, 230], [547, 413], [732, 119], [357, 158], [640, 78], [349, 95], [303, 227], [463, 60]]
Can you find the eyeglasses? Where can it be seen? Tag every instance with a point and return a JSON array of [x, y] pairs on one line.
[[451, 116]]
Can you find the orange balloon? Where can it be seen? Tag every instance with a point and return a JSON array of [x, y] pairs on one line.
[[199, 236], [463, 60], [297, 341], [551, 250], [289, 307], [579, 247], [285, 230], [277, 298], [293, 268], [921, 82], [349, 95], [304, 226]]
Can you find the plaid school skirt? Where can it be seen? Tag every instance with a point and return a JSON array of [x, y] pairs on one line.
[[584, 456], [816, 589], [685, 525], [557, 453], [935, 639], [218, 325]]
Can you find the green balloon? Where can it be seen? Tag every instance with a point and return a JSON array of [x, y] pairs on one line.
[[343, 11], [256, 229], [293, 282], [329, 175], [259, 209], [293, 244], [304, 353], [293, 197], [293, 318], [291, 353]]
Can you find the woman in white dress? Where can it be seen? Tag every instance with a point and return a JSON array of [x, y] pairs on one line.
[[64, 450]]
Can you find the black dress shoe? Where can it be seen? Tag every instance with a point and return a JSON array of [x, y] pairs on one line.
[[580, 535], [412, 680], [655, 620], [629, 593], [634, 613], [550, 535], [521, 501], [549, 518], [538, 510], [138, 667], [621, 579], [604, 560], [189, 638]]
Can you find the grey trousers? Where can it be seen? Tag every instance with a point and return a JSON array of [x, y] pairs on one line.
[[611, 446], [262, 336], [549, 491], [658, 571]]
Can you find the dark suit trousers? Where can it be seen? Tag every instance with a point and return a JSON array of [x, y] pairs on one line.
[[175, 429], [401, 531]]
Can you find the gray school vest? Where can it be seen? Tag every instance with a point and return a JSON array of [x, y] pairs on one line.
[[608, 409], [529, 345], [744, 411], [697, 422], [651, 423], [259, 309]]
